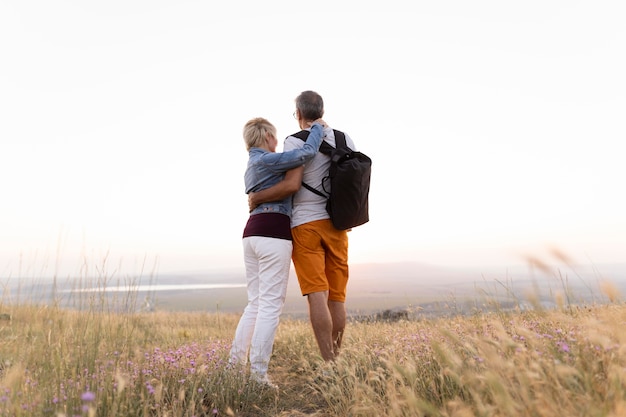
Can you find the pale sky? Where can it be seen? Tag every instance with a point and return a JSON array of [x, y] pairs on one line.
[[496, 128]]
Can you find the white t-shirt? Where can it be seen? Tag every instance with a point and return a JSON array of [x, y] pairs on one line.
[[308, 206]]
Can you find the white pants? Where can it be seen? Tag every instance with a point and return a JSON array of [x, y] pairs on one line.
[[267, 262]]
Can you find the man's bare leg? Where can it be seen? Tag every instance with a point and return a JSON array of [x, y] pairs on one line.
[[322, 323], [338, 314]]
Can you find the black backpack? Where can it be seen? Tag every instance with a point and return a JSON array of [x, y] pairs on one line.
[[349, 179]]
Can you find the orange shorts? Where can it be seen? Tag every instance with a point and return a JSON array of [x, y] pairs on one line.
[[320, 258]]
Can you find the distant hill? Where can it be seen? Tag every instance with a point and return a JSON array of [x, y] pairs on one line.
[[373, 287]]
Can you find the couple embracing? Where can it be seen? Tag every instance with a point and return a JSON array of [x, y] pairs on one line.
[[288, 223]]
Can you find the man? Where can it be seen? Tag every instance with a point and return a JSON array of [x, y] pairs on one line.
[[320, 252]]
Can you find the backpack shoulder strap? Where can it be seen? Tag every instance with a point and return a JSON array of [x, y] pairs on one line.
[[340, 139], [325, 147], [313, 190], [302, 135]]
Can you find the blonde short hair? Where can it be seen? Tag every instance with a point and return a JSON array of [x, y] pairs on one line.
[[255, 132]]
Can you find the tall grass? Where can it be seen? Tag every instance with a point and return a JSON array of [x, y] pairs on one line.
[[103, 361]]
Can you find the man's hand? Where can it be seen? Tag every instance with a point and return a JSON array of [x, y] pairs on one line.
[[252, 204], [289, 185]]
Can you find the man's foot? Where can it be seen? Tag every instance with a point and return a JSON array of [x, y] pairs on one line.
[[326, 373]]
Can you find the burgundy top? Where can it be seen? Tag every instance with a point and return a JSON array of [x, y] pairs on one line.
[[275, 225]]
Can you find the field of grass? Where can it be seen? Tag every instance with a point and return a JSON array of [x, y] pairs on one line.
[[103, 360]]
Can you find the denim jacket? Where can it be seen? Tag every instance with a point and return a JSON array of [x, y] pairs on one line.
[[267, 168]]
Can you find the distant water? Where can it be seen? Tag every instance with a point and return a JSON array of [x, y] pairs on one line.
[[156, 287]]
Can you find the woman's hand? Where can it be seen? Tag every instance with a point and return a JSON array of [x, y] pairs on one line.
[[320, 121]]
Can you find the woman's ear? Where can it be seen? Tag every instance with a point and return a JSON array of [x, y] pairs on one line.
[[270, 141]]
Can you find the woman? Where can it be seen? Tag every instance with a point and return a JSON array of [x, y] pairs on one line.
[[267, 244]]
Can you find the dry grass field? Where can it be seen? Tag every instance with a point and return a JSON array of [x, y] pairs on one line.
[[103, 360]]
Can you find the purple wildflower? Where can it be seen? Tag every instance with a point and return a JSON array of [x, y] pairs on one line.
[[88, 396]]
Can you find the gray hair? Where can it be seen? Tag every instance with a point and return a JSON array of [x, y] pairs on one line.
[[310, 105]]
